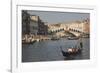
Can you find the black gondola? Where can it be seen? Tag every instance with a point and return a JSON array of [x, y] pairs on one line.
[[73, 51]]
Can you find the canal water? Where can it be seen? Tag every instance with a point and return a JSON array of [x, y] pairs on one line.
[[49, 50]]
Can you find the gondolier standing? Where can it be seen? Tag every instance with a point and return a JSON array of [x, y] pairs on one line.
[[81, 44]]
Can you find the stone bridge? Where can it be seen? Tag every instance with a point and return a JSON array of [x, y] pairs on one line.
[[75, 33]]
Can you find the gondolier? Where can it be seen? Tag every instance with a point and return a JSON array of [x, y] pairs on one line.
[[81, 44]]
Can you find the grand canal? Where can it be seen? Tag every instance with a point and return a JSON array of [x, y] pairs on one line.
[[49, 50]]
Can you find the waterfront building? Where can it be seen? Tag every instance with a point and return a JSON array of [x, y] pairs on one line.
[[86, 28], [34, 21], [42, 28], [82, 26], [37, 26], [25, 22]]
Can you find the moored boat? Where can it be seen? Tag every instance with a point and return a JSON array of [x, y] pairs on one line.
[[73, 38], [28, 42], [54, 38]]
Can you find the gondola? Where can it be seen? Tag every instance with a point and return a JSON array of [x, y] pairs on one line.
[[71, 51]]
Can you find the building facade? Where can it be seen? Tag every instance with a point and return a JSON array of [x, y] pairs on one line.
[[83, 26], [25, 22], [43, 29], [34, 24], [37, 26]]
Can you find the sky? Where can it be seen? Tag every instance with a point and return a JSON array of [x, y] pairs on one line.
[[52, 17]]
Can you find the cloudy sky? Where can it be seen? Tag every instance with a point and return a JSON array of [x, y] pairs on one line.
[[57, 17]]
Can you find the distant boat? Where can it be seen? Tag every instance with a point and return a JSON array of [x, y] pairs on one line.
[[30, 42], [54, 38], [73, 38], [71, 51]]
